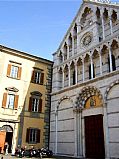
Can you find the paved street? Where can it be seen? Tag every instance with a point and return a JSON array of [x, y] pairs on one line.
[[54, 157]]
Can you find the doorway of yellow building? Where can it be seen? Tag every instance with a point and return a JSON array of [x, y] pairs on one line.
[[6, 135], [2, 140]]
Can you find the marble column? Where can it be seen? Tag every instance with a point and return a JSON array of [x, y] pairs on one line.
[[106, 131], [110, 19], [91, 61], [103, 29], [56, 125], [75, 132], [69, 74], [100, 62], [83, 71], [110, 58], [67, 51], [72, 46], [63, 77], [76, 71]]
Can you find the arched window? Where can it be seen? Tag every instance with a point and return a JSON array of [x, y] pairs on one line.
[[74, 81], [90, 71], [113, 63], [35, 102]]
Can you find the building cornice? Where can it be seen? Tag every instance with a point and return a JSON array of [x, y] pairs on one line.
[[24, 55], [9, 120]]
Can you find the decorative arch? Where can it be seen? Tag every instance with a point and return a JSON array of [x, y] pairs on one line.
[[7, 128], [110, 87], [61, 99], [84, 21], [85, 93], [13, 89], [36, 93]]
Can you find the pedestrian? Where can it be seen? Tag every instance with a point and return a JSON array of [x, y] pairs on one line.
[[6, 146]]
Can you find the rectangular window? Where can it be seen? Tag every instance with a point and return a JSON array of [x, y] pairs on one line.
[[33, 135], [14, 71], [37, 77], [35, 104], [11, 99]]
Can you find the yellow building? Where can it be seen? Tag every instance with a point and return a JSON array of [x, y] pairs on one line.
[[25, 83]]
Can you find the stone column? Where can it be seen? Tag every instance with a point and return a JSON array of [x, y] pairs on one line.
[[63, 56], [75, 132], [110, 57], [78, 30], [106, 132], [67, 50], [14, 141], [56, 120], [80, 127], [103, 29], [76, 71], [62, 77], [79, 132], [72, 46], [91, 61], [100, 63], [83, 71], [110, 19], [100, 57], [69, 74]]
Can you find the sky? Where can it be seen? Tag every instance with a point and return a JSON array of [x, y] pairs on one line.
[[36, 27]]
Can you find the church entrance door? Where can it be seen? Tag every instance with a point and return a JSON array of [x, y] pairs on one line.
[[94, 137]]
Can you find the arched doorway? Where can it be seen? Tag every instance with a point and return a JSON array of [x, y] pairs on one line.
[[89, 105], [6, 134]]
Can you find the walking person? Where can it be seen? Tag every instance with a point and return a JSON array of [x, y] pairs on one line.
[[6, 146]]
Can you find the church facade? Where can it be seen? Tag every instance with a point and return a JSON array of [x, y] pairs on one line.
[[85, 88]]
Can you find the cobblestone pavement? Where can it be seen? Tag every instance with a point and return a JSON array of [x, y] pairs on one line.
[[13, 157]]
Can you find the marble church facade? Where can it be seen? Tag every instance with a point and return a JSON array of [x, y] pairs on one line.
[[85, 88]]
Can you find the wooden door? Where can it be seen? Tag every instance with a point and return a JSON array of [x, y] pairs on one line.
[[94, 137], [2, 140]]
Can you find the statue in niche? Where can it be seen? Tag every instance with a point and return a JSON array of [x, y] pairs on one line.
[[92, 102]]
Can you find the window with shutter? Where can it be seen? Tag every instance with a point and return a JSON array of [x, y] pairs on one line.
[[16, 101], [37, 77], [33, 135], [4, 101], [38, 135], [30, 104], [32, 77], [40, 105], [10, 100], [35, 102], [14, 71], [42, 78], [8, 69], [19, 72], [27, 135]]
